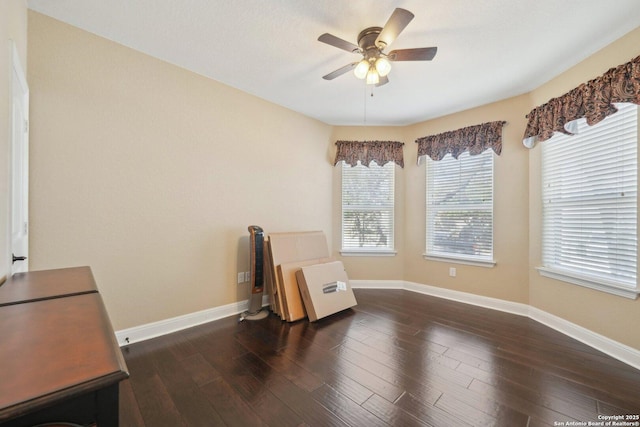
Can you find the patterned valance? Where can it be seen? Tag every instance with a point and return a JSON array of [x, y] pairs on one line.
[[474, 139], [366, 151], [592, 100]]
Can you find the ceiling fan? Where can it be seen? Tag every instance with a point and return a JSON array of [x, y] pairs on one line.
[[375, 64]]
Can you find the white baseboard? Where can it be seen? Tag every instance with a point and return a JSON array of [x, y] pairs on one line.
[[463, 297], [377, 284], [174, 324], [624, 353]]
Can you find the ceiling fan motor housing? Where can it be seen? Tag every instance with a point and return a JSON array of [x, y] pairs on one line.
[[367, 42]]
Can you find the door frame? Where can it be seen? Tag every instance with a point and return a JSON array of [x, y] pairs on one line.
[[19, 82]]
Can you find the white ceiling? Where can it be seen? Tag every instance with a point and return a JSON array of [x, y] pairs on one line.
[[487, 50]]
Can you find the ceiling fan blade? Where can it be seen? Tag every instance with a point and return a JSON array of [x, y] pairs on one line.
[[338, 42], [340, 71], [383, 81], [397, 22], [418, 54]]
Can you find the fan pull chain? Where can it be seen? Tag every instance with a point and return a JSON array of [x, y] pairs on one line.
[[365, 104]]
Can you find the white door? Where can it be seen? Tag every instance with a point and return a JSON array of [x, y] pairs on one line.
[[19, 168]]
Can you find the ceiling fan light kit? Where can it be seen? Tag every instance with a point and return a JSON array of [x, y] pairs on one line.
[[375, 65], [372, 76], [361, 69], [383, 66]]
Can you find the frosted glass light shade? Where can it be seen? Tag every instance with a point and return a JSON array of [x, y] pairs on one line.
[[372, 76], [361, 69], [383, 66]]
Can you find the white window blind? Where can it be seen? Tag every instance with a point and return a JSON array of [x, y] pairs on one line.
[[460, 207], [367, 207], [589, 192]]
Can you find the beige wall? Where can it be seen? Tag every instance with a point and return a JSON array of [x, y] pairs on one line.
[[508, 278], [140, 169], [517, 227], [13, 29], [370, 267], [612, 316], [151, 174]]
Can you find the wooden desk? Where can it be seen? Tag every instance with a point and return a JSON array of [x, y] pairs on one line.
[[59, 359], [46, 284]]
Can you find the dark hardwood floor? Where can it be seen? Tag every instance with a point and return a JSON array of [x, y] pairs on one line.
[[398, 358]]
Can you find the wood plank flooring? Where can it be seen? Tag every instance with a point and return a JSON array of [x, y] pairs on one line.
[[398, 358]]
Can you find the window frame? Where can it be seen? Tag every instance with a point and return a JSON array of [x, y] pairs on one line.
[[389, 249], [593, 281], [452, 257]]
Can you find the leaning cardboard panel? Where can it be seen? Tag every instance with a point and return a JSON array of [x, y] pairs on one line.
[[325, 289], [270, 279], [297, 246], [292, 247], [293, 305]]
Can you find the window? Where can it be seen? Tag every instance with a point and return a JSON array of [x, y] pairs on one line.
[[367, 209], [460, 208], [589, 197]]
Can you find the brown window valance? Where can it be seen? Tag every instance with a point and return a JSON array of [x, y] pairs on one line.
[[474, 139], [592, 100], [366, 151]]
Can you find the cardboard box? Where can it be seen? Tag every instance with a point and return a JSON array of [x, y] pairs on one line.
[[297, 246], [325, 289], [288, 248], [270, 279], [294, 307]]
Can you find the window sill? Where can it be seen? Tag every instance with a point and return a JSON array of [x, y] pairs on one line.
[[364, 252], [460, 260], [598, 285]]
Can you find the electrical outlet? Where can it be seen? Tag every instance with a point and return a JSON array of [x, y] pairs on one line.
[[241, 277], [452, 271], [247, 276]]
